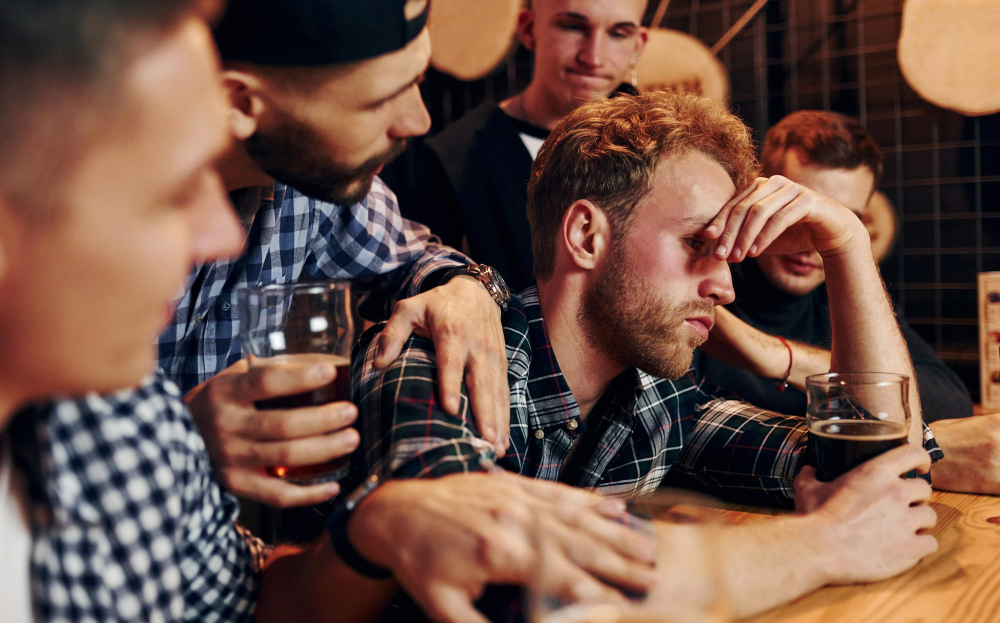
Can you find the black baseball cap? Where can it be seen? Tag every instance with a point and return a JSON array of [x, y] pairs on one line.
[[296, 33]]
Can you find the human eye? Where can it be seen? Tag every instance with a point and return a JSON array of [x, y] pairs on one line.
[[571, 26], [621, 33], [696, 244]]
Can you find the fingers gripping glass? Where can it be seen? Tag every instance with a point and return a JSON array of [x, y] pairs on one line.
[[854, 417], [691, 586], [301, 325]]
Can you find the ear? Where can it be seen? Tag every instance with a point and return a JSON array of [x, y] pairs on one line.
[[11, 230], [526, 28], [247, 103], [585, 234], [640, 43]]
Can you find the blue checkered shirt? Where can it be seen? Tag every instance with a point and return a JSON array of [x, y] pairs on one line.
[[129, 523], [293, 238], [641, 429]]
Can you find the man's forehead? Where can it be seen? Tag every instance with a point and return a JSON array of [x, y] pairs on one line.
[[850, 187], [612, 11], [688, 189], [176, 84], [400, 67]]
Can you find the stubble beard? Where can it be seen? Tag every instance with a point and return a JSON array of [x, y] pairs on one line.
[[624, 320], [293, 154]]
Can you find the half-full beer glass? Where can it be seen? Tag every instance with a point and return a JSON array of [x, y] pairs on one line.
[[853, 417], [301, 324]]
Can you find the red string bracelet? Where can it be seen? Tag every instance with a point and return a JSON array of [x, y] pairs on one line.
[[783, 383]]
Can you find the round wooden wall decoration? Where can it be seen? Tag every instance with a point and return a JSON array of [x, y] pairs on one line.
[[469, 38], [882, 223], [949, 51], [678, 62]]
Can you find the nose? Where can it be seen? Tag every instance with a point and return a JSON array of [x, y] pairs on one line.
[[413, 118], [717, 281], [215, 232], [591, 52]]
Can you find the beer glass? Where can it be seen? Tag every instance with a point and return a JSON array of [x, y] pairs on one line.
[[853, 417], [689, 561], [301, 324]]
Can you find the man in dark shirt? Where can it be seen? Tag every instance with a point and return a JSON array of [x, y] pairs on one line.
[[634, 221], [472, 193], [786, 295]]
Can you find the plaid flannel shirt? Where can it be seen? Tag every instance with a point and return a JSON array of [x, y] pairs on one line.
[[129, 522], [643, 427], [294, 237]]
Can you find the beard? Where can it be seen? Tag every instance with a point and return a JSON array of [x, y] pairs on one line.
[[293, 154], [624, 320]]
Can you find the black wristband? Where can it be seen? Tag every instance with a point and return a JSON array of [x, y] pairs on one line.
[[337, 527]]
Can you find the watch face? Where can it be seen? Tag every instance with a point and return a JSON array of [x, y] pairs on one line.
[[498, 280]]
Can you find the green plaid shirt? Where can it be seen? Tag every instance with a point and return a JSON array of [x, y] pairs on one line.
[[642, 428]]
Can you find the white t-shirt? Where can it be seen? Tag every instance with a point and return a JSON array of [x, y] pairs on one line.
[[15, 541], [532, 143]]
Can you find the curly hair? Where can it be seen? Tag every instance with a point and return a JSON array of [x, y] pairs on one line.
[[607, 152]]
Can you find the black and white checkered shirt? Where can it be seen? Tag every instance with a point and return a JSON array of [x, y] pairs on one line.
[[642, 428], [129, 522]]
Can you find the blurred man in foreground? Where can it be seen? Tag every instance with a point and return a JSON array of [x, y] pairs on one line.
[[108, 196]]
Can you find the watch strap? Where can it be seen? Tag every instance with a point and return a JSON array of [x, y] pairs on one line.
[[337, 527], [484, 274]]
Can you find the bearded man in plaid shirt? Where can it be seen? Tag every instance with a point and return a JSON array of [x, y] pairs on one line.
[[637, 205]]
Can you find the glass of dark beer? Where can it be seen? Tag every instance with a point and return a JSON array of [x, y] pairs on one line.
[[301, 324], [853, 417]]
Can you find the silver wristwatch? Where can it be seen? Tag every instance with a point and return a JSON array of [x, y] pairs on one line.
[[491, 280]]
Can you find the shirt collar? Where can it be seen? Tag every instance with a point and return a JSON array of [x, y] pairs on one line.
[[623, 391]]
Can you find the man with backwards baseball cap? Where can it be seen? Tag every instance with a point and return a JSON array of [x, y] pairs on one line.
[[129, 485], [321, 95]]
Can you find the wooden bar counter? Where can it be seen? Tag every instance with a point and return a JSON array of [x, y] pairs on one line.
[[960, 583]]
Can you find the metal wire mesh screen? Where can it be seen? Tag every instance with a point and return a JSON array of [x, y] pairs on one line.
[[942, 170]]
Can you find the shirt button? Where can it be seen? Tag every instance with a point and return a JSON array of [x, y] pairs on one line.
[[572, 425], [198, 319], [539, 434]]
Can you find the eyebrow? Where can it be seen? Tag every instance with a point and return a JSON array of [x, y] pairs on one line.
[[696, 223], [419, 79], [583, 18]]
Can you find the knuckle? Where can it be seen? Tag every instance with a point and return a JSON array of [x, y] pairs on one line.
[[214, 391], [282, 455], [225, 454], [401, 307], [260, 382], [493, 552], [277, 427], [930, 515]]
